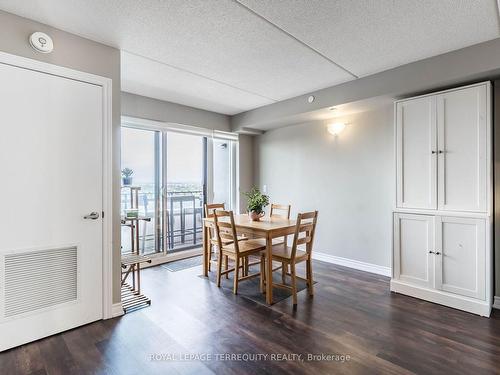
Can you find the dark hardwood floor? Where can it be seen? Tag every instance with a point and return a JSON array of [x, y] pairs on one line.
[[352, 314]]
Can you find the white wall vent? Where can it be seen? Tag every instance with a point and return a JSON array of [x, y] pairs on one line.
[[39, 279]]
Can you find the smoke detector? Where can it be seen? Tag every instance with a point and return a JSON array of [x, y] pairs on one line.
[[41, 42]]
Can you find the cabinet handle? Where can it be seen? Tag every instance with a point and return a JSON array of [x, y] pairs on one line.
[[441, 152], [433, 152], [438, 253], [431, 252]]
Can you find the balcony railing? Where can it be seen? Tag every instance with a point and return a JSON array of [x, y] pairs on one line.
[[175, 219]]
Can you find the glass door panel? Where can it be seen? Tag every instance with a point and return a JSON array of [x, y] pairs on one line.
[[222, 182], [185, 189], [140, 153]]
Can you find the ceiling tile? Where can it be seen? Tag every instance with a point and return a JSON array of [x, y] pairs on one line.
[[218, 39], [369, 36], [156, 80]]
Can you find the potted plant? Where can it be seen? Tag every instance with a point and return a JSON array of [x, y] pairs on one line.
[[127, 176], [256, 203]]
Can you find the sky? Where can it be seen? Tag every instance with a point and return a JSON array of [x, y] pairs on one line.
[[184, 156]]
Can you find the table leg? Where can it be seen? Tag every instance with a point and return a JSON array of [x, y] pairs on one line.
[[269, 270], [206, 250]]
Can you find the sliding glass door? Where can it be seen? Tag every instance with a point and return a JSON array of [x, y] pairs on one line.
[[173, 174]]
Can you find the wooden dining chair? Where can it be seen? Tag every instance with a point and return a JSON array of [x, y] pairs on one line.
[[212, 240], [209, 209], [236, 250], [290, 256], [278, 211]]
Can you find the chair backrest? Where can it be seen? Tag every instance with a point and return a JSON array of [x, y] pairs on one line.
[[280, 210], [304, 231], [211, 207], [209, 212], [225, 229]]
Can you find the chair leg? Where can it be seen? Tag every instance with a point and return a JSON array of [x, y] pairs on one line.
[[236, 274], [210, 258], [219, 267], [226, 262], [247, 260], [309, 277], [294, 283], [284, 269], [262, 276]]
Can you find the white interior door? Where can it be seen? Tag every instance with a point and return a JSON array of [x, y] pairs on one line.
[[416, 153], [462, 147], [413, 241], [51, 166], [460, 256]]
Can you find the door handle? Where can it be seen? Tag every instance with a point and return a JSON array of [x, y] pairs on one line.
[[92, 216]]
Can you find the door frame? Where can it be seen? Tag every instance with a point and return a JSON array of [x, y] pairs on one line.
[[107, 167]]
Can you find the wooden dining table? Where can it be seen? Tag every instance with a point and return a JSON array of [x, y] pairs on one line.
[[267, 228]]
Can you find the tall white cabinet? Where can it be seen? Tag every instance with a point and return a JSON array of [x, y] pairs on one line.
[[442, 247]]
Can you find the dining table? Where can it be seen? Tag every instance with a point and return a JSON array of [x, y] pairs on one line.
[[267, 228]]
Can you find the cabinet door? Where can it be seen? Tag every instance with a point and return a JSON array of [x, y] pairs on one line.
[[416, 153], [413, 239], [462, 149], [460, 256]]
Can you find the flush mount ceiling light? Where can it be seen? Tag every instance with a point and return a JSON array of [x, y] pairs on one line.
[[336, 128]]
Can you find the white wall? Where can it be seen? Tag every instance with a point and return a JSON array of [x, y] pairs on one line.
[[348, 178]]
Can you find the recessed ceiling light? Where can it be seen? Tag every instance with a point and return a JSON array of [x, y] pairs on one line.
[[310, 99]]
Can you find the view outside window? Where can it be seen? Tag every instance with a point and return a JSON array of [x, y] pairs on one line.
[[163, 188], [140, 154], [184, 189]]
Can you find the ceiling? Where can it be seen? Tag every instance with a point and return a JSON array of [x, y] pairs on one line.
[[231, 56]]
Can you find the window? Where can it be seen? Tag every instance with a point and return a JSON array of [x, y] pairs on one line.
[[174, 173]]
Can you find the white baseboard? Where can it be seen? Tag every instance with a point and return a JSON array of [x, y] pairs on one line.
[[351, 263], [496, 302], [117, 310]]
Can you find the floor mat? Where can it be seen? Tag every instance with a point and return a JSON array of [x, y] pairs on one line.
[[250, 288], [183, 264]]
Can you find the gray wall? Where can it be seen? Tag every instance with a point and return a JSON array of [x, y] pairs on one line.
[[348, 178], [80, 54], [159, 110]]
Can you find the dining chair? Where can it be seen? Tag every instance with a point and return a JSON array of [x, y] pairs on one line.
[[236, 250], [278, 211], [290, 256], [212, 240]]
